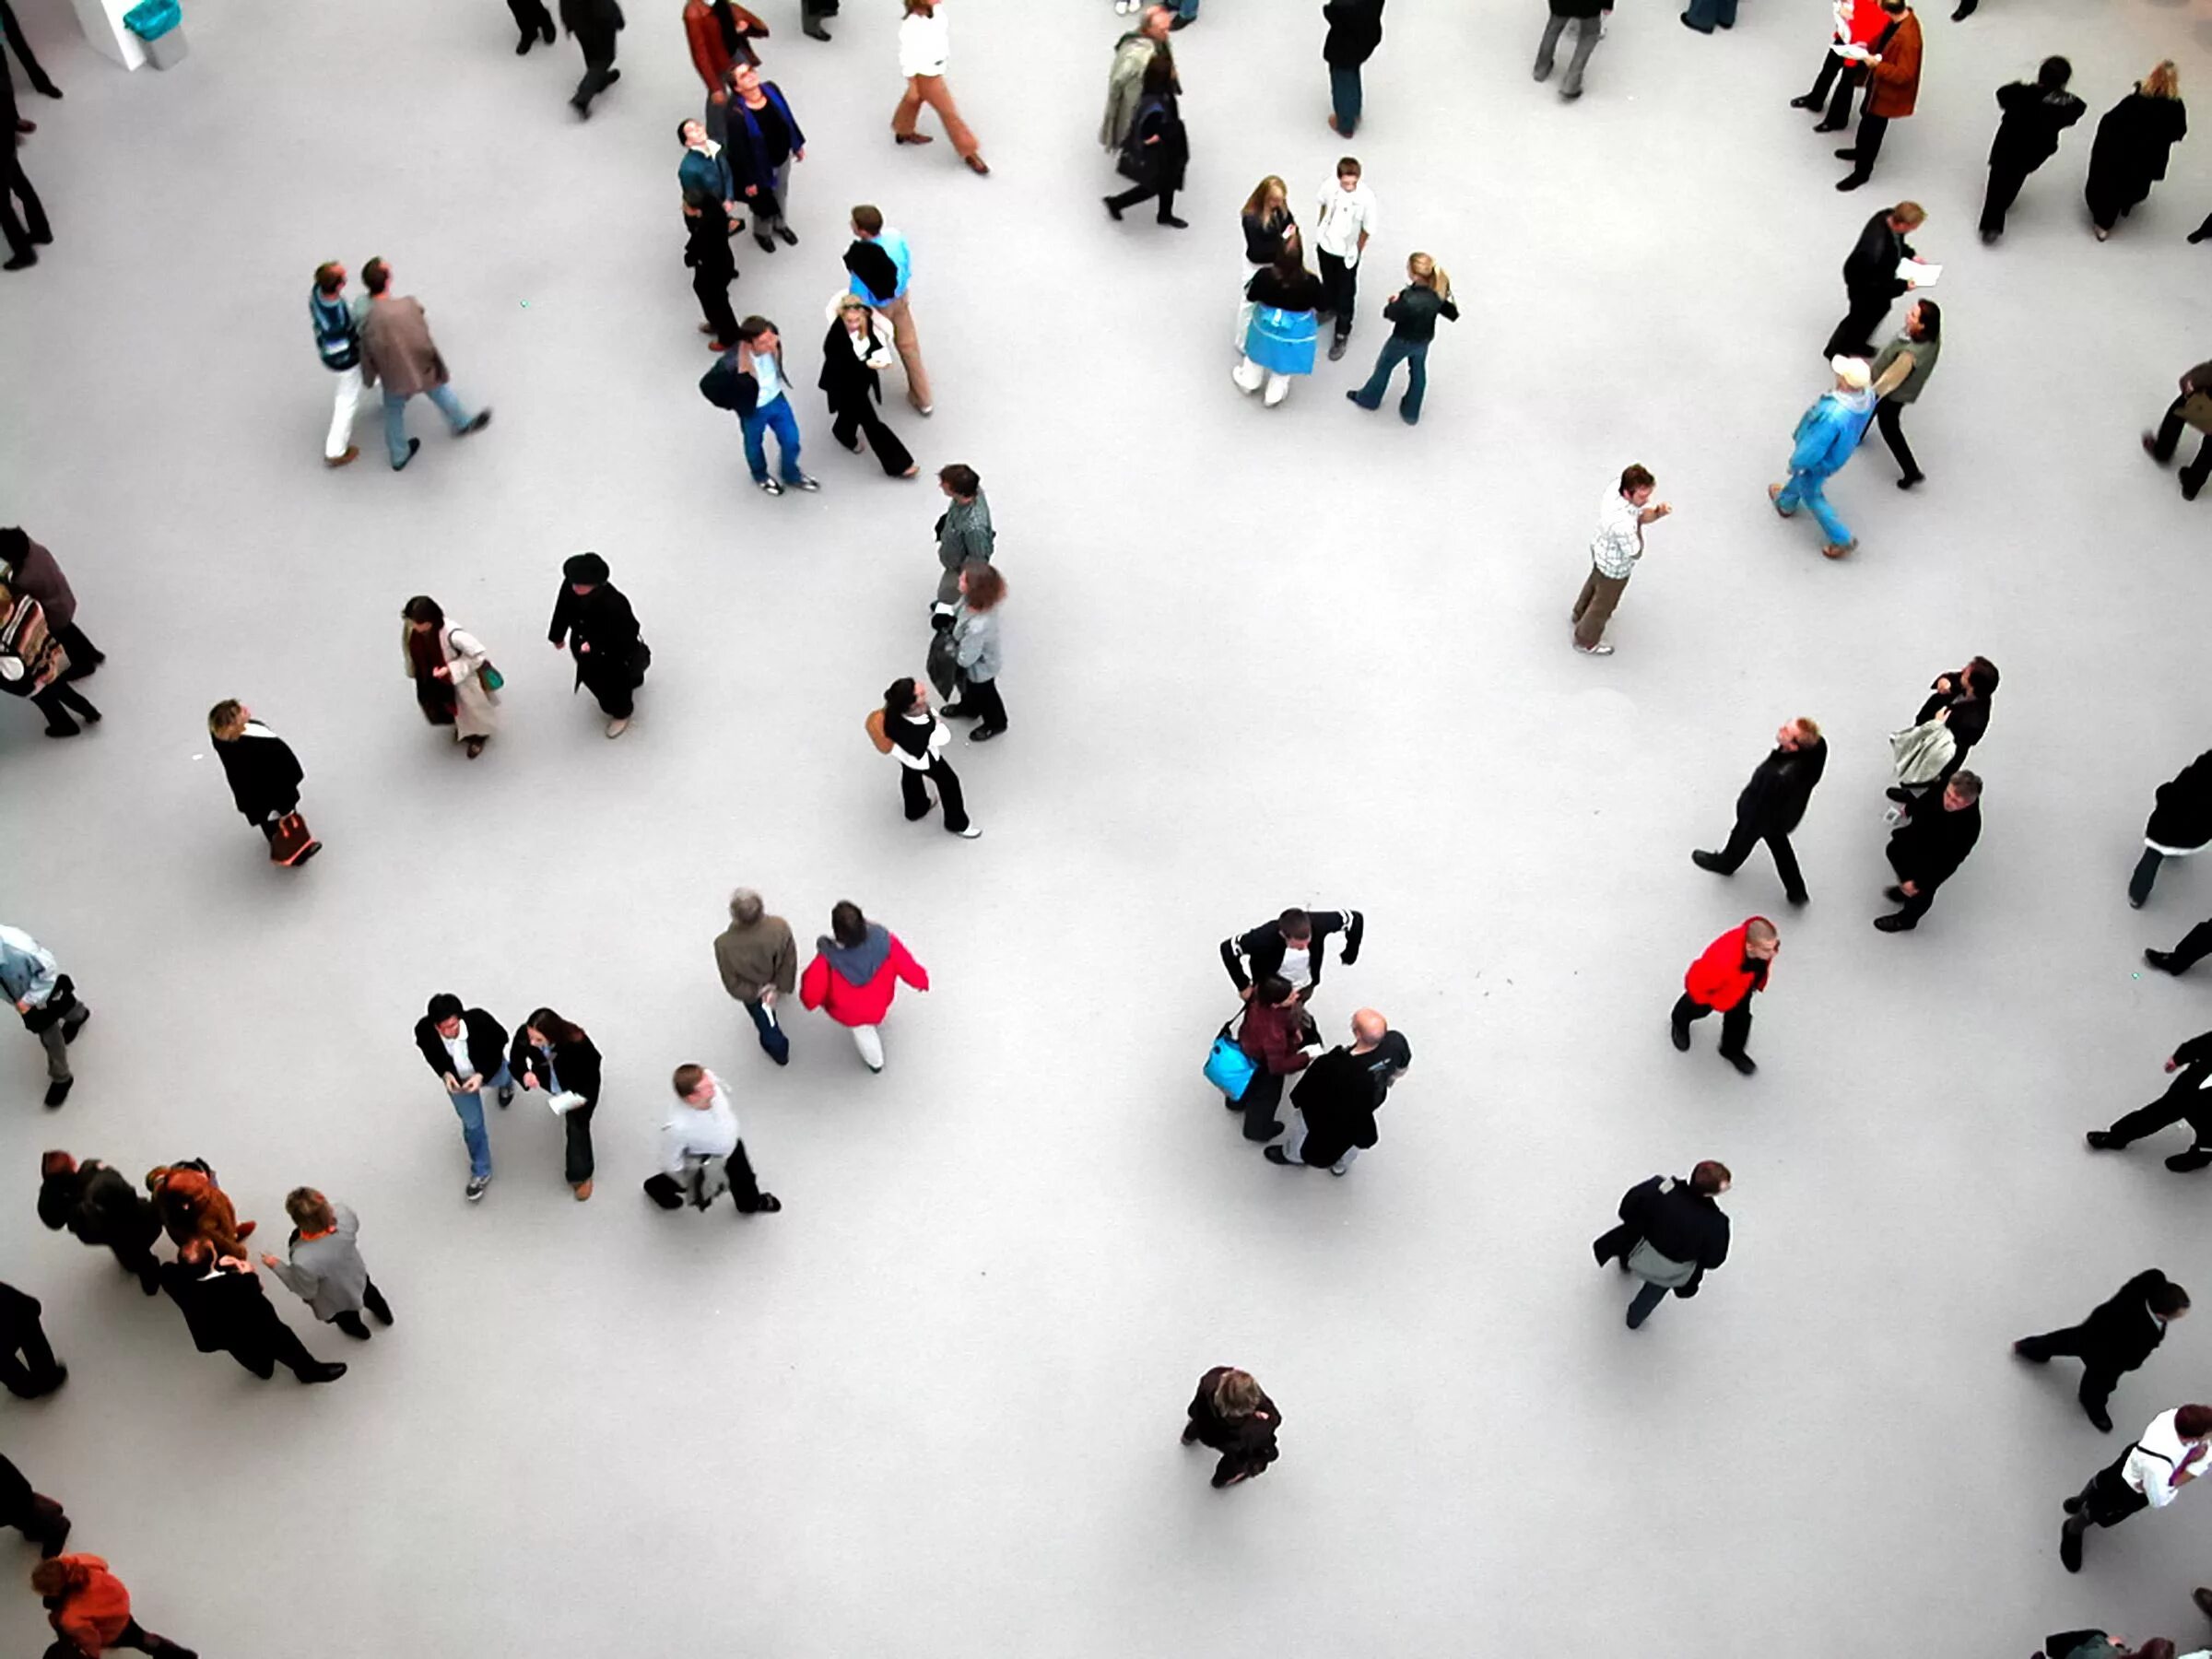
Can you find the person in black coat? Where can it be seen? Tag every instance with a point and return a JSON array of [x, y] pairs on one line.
[[2034, 114], [35, 1372], [467, 1049], [1672, 1233], [1961, 698], [1870, 278], [594, 23], [1232, 1414], [1927, 847], [852, 359], [1158, 150], [554, 1056], [36, 1516], [536, 22], [1294, 945], [2181, 823], [1354, 30], [2188, 1098], [41, 82], [264, 774], [592, 617], [102, 1209], [2132, 146], [2116, 1337], [1772, 805], [1338, 1095], [227, 1312]]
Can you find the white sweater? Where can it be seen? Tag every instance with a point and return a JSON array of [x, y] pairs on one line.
[[924, 41], [692, 1133]]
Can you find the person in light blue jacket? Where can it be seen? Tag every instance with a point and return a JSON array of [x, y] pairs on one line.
[[46, 999], [1827, 437]]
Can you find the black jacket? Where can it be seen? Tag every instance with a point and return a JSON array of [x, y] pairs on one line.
[[1263, 234], [1263, 946], [1773, 803], [2183, 817], [2028, 133], [263, 773], [1339, 1094], [1968, 722], [1354, 30], [15, 1489], [19, 1313], [1928, 847], [486, 1042], [2120, 1334], [100, 1205], [1681, 1225], [1301, 292], [1872, 267], [1161, 165], [592, 21], [1415, 309], [602, 619], [2194, 1058], [576, 1064], [1247, 1443], [227, 1312], [868, 261], [845, 376]]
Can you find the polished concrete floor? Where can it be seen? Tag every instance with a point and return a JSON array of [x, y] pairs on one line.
[[1254, 658]]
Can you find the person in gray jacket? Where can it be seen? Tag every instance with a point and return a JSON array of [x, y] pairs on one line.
[[964, 533], [975, 646], [327, 1271], [46, 998]]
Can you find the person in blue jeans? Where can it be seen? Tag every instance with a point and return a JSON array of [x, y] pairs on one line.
[[1414, 309], [1827, 435], [761, 359], [1354, 30], [398, 355], [467, 1049]]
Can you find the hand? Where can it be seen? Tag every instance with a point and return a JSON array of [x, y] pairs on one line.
[[768, 996], [558, 646], [441, 672], [268, 1261], [476, 1082], [23, 1007], [730, 208], [2184, 1477], [1943, 717], [798, 155], [2174, 1066], [529, 1080], [752, 190], [583, 647], [452, 1084], [1246, 995], [1661, 509], [1943, 682], [1907, 889]]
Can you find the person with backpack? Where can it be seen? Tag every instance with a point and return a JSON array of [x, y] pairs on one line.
[[337, 324], [702, 1150], [1157, 151], [749, 382], [906, 729], [265, 778]]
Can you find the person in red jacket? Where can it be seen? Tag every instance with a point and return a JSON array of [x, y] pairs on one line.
[[1857, 22], [1892, 90], [855, 974], [90, 1611], [1733, 966]]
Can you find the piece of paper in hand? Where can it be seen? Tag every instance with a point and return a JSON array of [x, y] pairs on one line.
[[1918, 274], [566, 1101]]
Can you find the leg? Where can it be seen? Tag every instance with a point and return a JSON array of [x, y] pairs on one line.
[[55, 1040], [2051, 1345], [1344, 98], [1839, 107], [1294, 1137], [1602, 594], [1133, 196], [910, 106], [395, 428], [2198, 471], [948, 795], [374, 1300], [616, 693], [914, 793], [1614, 1242], [890, 454], [577, 1163], [1872, 130], [2170, 432], [450, 406], [289, 1351], [2197, 945], [1741, 839], [1547, 47], [2161, 1114], [868, 1040], [1263, 1095], [744, 1186], [1685, 1010], [1785, 866], [773, 1043], [2097, 1385], [351, 1322], [1829, 64], [1915, 906], [2144, 872], [785, 425], [1735, 1028], [1585, 43], [1369, 396], [1347, 299], [907, 337], [1640, 1306], [1890, 417], [1582, 599], [469, 1108], [1813, 492], [60, 700], [1996, 202], [989, 707], [1417, 381], [755, 427], [938, 96], [32, 69], [712, 271], [343, 407], [45, 1373], [1332, 280]]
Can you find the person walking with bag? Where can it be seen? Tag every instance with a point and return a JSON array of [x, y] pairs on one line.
[[1134, 53], [1414, 309], [101, 1208], [963, 530], [35, 665], [1927, 848], [855, 977], [28, 569], [1672, 1233], [45, 998], [2171, 1453], [454, 680], [906, 730], [924, 42], [554, 1058], [759, 967], [325, 1270], [1157, 152], [265, 778], [859, 347], [1232, 1414], [338, 325], [1276, 1035], [702, 1150], [592, 621], [2192, 409]]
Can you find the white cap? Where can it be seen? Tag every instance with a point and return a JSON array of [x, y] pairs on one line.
[[1853, 371]]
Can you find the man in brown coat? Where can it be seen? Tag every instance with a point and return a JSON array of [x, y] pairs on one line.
[[2192, 409], [1891, 90], [397, 351], [759, 964]]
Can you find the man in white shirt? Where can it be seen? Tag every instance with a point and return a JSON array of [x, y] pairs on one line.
[[1614, 551], [2169, 1453], [1347, 219], [700, 1144]]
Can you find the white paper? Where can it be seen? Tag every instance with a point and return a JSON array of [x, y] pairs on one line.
[[566, 1101], [1917, 273]]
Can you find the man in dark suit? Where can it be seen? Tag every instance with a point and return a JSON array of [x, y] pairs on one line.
[[1870, 278], [1672, 1233], [102, 1207], [1294, 945], [1772, 805], [2187, 1099], [2116, 1337], [1927, 848], [227, 1311], [36, 1372], [1338, 1095], [594, 23]]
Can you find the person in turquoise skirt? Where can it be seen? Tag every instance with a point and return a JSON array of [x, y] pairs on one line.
[[1278, 341]]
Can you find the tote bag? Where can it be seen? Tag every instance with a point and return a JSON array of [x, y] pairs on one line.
[[1228, 1067]]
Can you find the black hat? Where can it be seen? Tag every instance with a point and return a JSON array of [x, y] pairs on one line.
[[586, 567]]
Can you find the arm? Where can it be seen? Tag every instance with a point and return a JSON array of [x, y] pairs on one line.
[[906, 968], [433, 1051], [297, 1280], [559, 631], [1899, 370], [783, 969], [1899, 66], [579, 1069], [815, 982], [1232, 949]]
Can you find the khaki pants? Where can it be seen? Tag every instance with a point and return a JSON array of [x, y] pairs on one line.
[[931, 90], [909, 341], [1594, 608]]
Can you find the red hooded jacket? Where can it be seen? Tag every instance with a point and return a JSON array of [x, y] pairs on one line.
[[852, 1005], [95, 1609], [1717, 980]]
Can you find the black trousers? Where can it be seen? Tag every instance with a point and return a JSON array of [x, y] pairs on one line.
[[599, 69], [1868, 144], [38, 79], [374, 1300], [1747, 836], [1735, 1023], [616, 692], [1143, 193], [35, 1372], [712, 270], [1262, 1105], [2196, 946], [744, 1186], [58, 701], [2003, 190], [532, 17], [84, 656], [576, 1163], [2170, 436], [22, 233], [916, 796], [1889, 415], [858, 417], [43, 1523], [1844, 76], [1916, 905], [280, 1345], [2182, 1102], [2099, 1374], [1854, 335], [983, 701], [1339, 290]]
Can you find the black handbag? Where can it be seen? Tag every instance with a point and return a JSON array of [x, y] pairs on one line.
[[56, 1007]]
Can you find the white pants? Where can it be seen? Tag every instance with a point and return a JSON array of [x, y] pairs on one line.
[[344, 407], [1294, 1144], [869, 1042], [1249, 376]]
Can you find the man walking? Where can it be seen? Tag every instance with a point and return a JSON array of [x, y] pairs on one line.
[[750, 382], [882, 268], [1874, 278], [1589, 20], [2192, 409], [1294, 945], [1613, 550], [1892, 88], [46, 999], [963, 529], [2169, 1454], [594, 24], [1672, 1233], [1927, 848], [592, 621], [1132, 55], [1732, 970], [403, 359], [466, 1047], [2116, 1337], [2196, 946], [338, 325], [1341, 229], [2033, 114], [28, 1366], [2180, 825], [1827, 435], [2188, 1098], [35, 1516], [102, 1209], [758, 962], [1337, 1097], [702, 1150], [1354, 30], [1772, 805], [227, 1312]]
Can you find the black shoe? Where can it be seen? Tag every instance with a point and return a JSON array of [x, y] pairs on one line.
[[2072, 1506], [1171, 222], [1799, 899], [1806, 103], [1681, 1036], [548, 36], [1896, 895], [58, 1092], [958, 710], [1275, 1154], [1847, 154], [1687, 24], [2165, 961], [1854, 182], [2103, 1140], [1911, 478], [767, 243], [1741, 1060], [787, 236], [1832, 126], [1113, 208], [322, 1374], [2203, 1598], [61, 1375], [507, 1096], [770, 1204], [21, 262], [1896, 924], [481, 419], [1710, 861], [1336, 347], [2020, 1350], [2099, 1416], [2070, 1549], [2198, 235], [528, 40], [1989, 238], [815, 31], [55, 1540], [1903, 798], [413, 444], [2182, 1163], [985, 733]]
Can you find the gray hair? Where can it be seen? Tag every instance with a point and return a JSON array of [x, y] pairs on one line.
[[746, 907]]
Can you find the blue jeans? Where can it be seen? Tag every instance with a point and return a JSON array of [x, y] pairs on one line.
[[395, 418], [1187, 8], [1704, 14], [776, 416], [1344, 96], [772, 1033], [1805, 488], [1414, 354], [470, 1107]]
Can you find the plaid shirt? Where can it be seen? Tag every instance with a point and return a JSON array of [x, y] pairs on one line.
[[1619, 542]]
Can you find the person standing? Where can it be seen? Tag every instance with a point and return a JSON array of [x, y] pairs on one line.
[[2188, 1098], [2033, 114], [2133, 142], [721, 37], [34, 664], [2116, 1339], [453, 678], [1270, 227], [536, 22], [228, 1311], [403, 359], [2192, 408], [1927, 848], [1959, 701], [32, 1514], [90, 1611], [1347, 218], [855, 351], [593, 24], [46, 999], [759, 966], [1337, 1096], [337, 324], [1230, 1414], [1589, 20], [1724, 980], [765, 139], [195, 1209], [905, 729], [592, 619], [1893, 88], [1354, 30], [1157, 152], [1858, 23], [554, 1057], [2171, 1453], [924, 42], [1873, 277], [1704, 15], [963, 530], [1827, 435], [976, 650], [1613, 550], [28, 569], [1134, 53], [35, 72], [750, 382], [1772, 805], [854, 976], [1414, 311], [1294, 945], [468, 1050], [36, 1372], [2180, 825], [101, 1208], [1278, 340], [28, 234], [882, 269], [709, 208], [1900, 370], [327, 1271], [702, 1148], [1672, 1233], [1275, 1034]]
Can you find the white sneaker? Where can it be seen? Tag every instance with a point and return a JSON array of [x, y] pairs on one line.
[[969, 833], [1600, 649], [474, 1190]]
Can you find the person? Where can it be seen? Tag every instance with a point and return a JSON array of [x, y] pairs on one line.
[[468, 1050], [1337, 1096], [26, 568], [1900, 370], [1622, 514], [1704, 15], [2196, 946], [1772, 804], [1827, 435], [882, 269], [1893, 88], [1346, 221], [2032, 114], [1414, 309], [976, 649], [1230, 1414], [592, 619], [905, 729], [27, 234], [46, 999], [854, 976], [536, 22], [453, 678], [32, 1514], [1730, 973], [855, 351], [265, 778], [1927, 847], [759, 966], [195, 1208], [710, 205], [701, 1149], [1858, 23], [1354, 30], [1294, 945], [593, 24], [554, 1057], [963, 530], [1275, 1034], [101, 1208], [2192, 409], [1672, 1233], [1959, 702], [1134, 53], [34, 664], [1278, 340], [811, 13], [2180, 823], [338, 325], [1270, 229], [35, 72], [1589, 20], [36, 1372], [757, 379], [2131, 149], [925, 41], [1874, 278], [2116, 1339], [228, 1311], [2188, 1098], [2169, 1453], [1157, 152], [402, 357], [720, 35], [325, 1270], [765, 139], [90, 1611]]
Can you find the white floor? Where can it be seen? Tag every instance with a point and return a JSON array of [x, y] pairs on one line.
[[1255, 658]]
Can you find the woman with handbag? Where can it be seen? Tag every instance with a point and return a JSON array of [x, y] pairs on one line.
[[453, 679], [33, 664], [905, 729], [559, 1061], [265, 778], [855, 351], [1158, 150], [1276, 1037]]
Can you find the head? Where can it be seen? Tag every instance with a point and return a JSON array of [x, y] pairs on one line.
[[758, 335], [329, 278], [196, 1253], [1296, 927], [15, 546], [847, 925], [962, 482], [423, 613], [583, 571], [1347, 173], [56, 1163], [547, 1027], [227, 719], [2169, 1301], [1853, 374], [1907, 216], [1368, 1028], [746, 79], [2165, 81], [920, 8], [903, 697], [2157, 1647], [746, 907], [1290, 258], [1798, 733], [2054, 74], [1269, 195], [1237, 1394], [1160, 75], [1155, 22], [692, 1086], [1636, 484], [691, 133], [1924, 321], [445, 1014], [980, 585], [1760, 940], [56, 1578], [1711, 1178], [310, 1211], [1274, 990], [376, 276], [1961, 791], [853, 311], [1980, 676], [2194, 1422], [1424, 272], [1896, 8], [867, 220]]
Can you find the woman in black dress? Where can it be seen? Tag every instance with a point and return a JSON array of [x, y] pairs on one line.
[[2133, 142]]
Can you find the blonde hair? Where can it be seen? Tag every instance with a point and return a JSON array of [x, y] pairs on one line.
[[226, 714], [1426, 271], [1808, 727], [1237, 1394], [2165, 81], [1257, 201]]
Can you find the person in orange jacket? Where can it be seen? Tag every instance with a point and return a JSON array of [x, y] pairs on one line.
[[90, 1611], [855, 975], [1891, 92], [1733, 968]]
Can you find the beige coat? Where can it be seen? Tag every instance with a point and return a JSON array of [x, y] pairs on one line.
[[476, 712], [396, 348], [1126, 88]]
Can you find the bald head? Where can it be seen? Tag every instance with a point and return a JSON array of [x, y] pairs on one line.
[[1368, 1028]]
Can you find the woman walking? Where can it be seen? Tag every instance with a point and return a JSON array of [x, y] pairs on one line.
[[975, 648], [1232, 1414], [1158, 150], [28, 569], [906, 730], [551, 1056], [2133, 142], [453, 679], [1413, 309], [923, 46], [856, 350], [721, 37], [33, 664], [765, 140], [1900, 370], [265, 778], [325, 1270], [1284, 325], [855, 974]]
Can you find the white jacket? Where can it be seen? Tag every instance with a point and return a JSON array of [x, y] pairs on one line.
[[692, 1133], [922, 44]]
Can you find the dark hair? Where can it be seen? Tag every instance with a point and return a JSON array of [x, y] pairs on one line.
[[847, 925], [1984, 673], [687, 1078], [2193, 1423], [680, 125], [1159, 74], [2055, 73], [1294, 924], [555, 1028], [1290, 258], [1931, 321], [867, 220], [1633, 476], [1351, 163], [1968, 784], [752, 328], [376, 276], [1708, 1176], [2168, 1300], [963, 481], [445, 1006], [899, 695], [980, 584], [15, 544], [423, 608], [2157, 1647], [1271, 989], [225, 715], [328, 277]]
